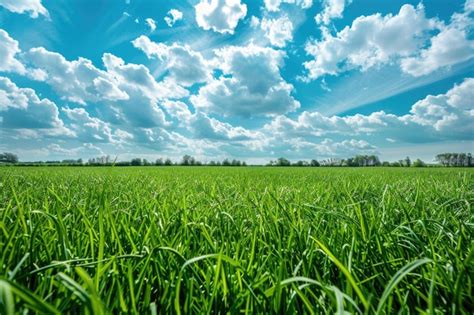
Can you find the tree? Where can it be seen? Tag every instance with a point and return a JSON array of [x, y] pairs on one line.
[[136, 162], [168, 162], [226, 162], [301, 163], [235, 162], [8, 157], [419, 163], [455, 159], [407, 162], [314, 163], [159, 162], [282, 162], [185, 160]]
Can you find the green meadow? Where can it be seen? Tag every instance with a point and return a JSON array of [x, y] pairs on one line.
[[255, 240]]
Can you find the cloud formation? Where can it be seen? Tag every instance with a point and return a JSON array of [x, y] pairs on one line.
[[172, 17], [377, 40], [441, 117], [184, 65], [332, 9], [279, 31], [251, 84], [370, 41], [21, 108], [151, 24], [33, 7], [274, 5], [9, 48], [221, 16], [77, 81]]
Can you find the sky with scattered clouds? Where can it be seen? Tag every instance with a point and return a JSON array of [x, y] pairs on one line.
[[246, 79]]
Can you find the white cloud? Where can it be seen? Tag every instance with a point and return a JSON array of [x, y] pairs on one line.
[[33, 7], [254, 21], [278, 31], [77, 81], [449, 47], [332, 9], [380, 40], [178, 110], [274, 5], [81, 82], [205, 127], [469, 6], [221, 16], [21, 108], [329, 147], [370, 41], [92, 129], [185, 66], [173, 16], [451, 113], [108, 90], [9, 48], [141, 109], [251, 84], [151, 24], [128, 93], [202, 126], [434, 118]]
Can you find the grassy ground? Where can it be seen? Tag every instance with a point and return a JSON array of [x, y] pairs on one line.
[[253, 240]]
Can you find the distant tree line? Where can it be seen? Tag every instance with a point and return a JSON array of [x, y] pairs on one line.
[[455, 159], [444, 159], [187, 160]]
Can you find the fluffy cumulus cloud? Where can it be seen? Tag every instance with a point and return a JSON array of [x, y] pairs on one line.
[[21, 108], [274, 5], [441, 117], [172, 17], [128, 93], [9, 48], [184, 66], [137, 78], [370, 40], [376, 40], [201, 126], [450, 46], [251, 84], [279, 31], [451, 113], [141, 109], [151, 24], [77, 81], [221, 16], [206, 127], [33, 7], [91, 129], [332, 9]]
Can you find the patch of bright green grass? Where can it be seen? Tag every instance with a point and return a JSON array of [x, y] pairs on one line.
[[238, 240]]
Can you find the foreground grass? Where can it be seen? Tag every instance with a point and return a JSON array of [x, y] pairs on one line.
[[253, 240]]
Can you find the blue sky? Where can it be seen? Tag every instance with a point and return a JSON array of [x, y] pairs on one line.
[[253, 80]]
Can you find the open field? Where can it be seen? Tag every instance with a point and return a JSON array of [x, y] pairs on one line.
[[253, 240]]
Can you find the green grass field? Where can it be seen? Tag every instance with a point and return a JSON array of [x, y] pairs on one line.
[[239, 240]]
